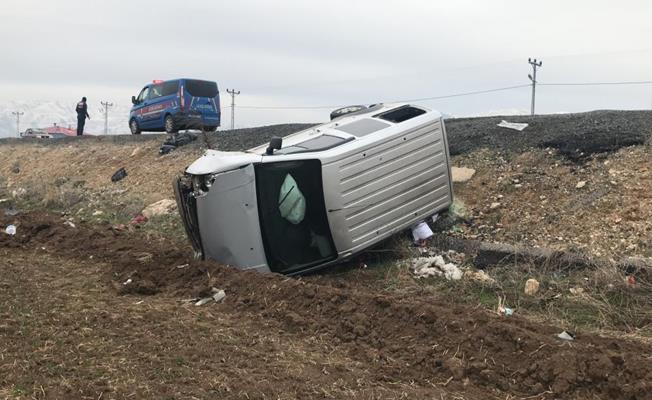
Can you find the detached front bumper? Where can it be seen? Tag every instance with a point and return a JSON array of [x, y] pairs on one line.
[[187, 205]]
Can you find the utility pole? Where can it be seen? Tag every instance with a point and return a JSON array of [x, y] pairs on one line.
[[106, 106], [17, 114], [233, 93], [533, 78]]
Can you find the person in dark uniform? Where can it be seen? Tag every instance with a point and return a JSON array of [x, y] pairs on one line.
[[82, 114]]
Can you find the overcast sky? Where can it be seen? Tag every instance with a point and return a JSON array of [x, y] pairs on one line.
[[330, 53]]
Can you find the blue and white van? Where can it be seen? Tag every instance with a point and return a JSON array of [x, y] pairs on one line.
[[174, 105]]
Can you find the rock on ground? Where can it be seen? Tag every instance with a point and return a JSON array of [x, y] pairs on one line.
[[462, 174], [163, 207]]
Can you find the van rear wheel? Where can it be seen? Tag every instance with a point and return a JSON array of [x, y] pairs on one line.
[[169, 125], [133, 126]]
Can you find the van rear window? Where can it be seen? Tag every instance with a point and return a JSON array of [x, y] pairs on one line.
[[400, 114], [201, 88]]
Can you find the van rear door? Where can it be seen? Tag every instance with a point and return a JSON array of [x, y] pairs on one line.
[[202, 99]]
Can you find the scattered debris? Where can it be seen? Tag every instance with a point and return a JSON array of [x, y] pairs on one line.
[[513, 125], [493, 206], [576, 290], [420, 233], [565, 335], [11, 211], [182, 266], [480, 276], [424, 267], [128, 281], [98, 212], [458, 208], [502, 309], [506, 311], [166, 148], [10, 230], [218, 294], [119, 175], [462, 174], [163, 207], [580, 184], [69, 223], [144, 257], [631, 281], [204, 301], [531, 287], [20, 192], [15, 168], [138, 220], [177, 140], [135, 152]]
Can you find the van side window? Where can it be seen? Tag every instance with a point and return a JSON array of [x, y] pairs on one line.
[[143, 94], [156, 91], [319, 143], [400, 114], [170, 87]]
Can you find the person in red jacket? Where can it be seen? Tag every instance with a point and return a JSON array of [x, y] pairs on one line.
[[82, 114]]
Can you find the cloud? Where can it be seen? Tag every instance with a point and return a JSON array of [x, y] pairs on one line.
[[321, 53]]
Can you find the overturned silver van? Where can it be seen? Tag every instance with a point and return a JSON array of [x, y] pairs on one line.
[[319, 196]]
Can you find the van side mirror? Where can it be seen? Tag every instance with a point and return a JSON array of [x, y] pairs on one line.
[[275, 144], [133, 100]]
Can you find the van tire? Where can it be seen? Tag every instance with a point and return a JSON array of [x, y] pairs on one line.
[[210, 128], [169, 124], [134, 128]]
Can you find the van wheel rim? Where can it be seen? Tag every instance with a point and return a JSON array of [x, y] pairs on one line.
[[168, 124], [134, 127]]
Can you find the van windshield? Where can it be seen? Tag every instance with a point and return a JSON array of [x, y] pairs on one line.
[[292, 213], [201, 88]]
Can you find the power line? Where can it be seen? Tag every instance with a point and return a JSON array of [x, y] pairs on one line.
[[233, 93], [462, 94], [393, 101], [597, 83], [106, 105], [455, 94], [18, 114]]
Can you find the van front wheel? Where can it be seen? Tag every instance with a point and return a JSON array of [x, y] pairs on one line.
[[133, 126], [169, 125]]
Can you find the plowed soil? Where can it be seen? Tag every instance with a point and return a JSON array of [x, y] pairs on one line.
[[72, 328], [91, 311]]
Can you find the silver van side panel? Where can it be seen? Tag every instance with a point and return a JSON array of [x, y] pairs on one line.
[[228, 223], [377, 191]]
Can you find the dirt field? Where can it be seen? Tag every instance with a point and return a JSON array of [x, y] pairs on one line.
[[91, 310], [72, 328]]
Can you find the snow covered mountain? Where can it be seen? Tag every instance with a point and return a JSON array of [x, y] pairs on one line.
[[42, 114]]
